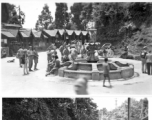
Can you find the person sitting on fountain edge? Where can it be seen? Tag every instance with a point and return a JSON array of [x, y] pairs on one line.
[[56, 65], [106, 70], [66, 53]]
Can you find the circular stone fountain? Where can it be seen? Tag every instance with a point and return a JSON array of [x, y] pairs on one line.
[[92, 67], [94, 71]]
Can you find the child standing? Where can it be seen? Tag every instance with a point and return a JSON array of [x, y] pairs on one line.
[[106, 71]]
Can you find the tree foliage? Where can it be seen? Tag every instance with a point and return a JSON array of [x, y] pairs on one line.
[[45, 19], [113, 20], [10, 14], [49, 109], [61, 15], [6, 11], [76, 11], [121, 112]]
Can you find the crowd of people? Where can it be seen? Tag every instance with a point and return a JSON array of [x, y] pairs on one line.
[[26, 59], [29, 58]]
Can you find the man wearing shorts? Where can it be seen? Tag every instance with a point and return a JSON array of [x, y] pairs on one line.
[[106, 71]]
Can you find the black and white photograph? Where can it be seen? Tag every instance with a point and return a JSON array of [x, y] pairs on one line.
[[76, 60], [76, 48], [96, 108]]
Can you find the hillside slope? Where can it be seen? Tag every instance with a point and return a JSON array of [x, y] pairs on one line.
[[136, 42]]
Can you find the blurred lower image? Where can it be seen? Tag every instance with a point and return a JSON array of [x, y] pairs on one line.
[[94, 108]]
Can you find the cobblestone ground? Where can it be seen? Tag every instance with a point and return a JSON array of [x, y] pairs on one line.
[[37, 85]]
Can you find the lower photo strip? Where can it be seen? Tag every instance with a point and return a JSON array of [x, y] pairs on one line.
[[91, 108]]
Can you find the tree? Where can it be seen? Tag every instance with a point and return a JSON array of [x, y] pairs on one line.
[[5, 12], [45, 19], [76, 11], [86, 14], [51, 26], [142, 9], [9, 14], [122, 111], [61, 15], [49, 109]]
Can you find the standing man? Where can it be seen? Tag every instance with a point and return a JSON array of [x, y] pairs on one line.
[[149, 63], [49, 57], [30, 56], [19, 55], [36, 56], [106, 70], [143, 59]]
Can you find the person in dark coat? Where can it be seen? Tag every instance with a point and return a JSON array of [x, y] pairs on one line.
[[149, 63], [143, 59]]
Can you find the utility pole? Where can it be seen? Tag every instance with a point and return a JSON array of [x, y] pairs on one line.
[[129, 108]]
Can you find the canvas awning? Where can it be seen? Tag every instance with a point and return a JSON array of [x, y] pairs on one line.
[[51, 33], [77, 32], [84, 33], [25, 34], [61, 32], [45, 36], [7, 34], [69, 32], [36, 34], [13, 32]]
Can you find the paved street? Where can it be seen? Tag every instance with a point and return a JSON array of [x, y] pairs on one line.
[[37, 85]]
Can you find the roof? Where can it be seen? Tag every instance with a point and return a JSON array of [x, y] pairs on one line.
[[25, 33], [36, 34], [69, 32], [51, 33], [45, 36], [61, 32], [13, 31], [84, 32], [77, 32], [7, 34]]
